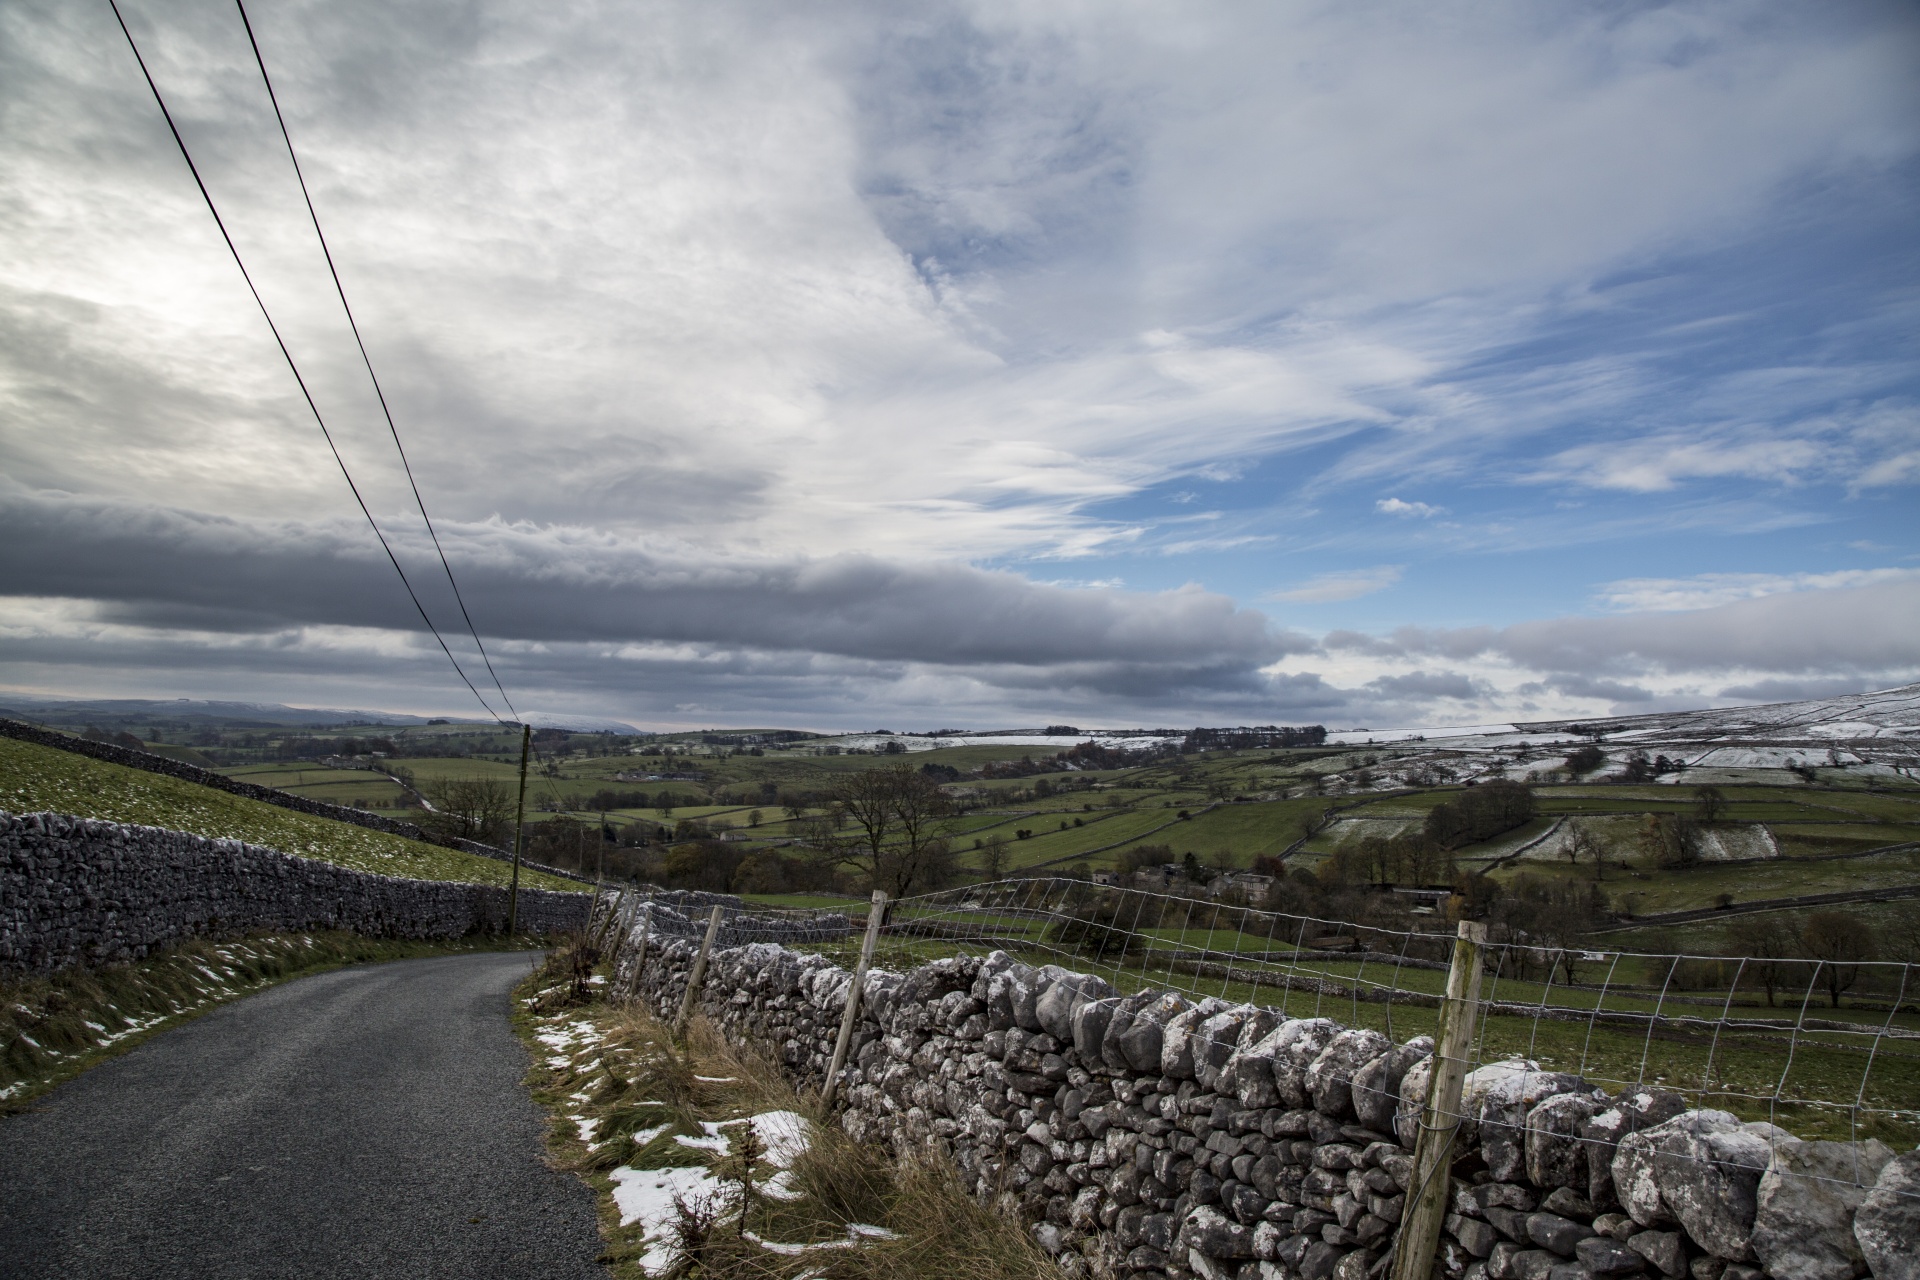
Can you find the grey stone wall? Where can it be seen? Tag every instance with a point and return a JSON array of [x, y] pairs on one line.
[[114, 753], [82, 891], [1151, 1136]]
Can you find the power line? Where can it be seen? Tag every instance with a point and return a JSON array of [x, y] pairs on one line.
[[365, 359], [279, 341]]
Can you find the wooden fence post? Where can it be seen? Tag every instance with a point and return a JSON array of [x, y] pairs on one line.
[[640, 954], [613, 938], [1432, 1186], [876, 914], [698, 975]]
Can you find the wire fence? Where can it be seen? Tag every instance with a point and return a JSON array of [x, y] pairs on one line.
[[1824, 1048]]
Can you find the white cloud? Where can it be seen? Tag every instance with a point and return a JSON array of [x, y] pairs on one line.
[[750, 329], [1400, 507], [1342, 584], [1703, 591]]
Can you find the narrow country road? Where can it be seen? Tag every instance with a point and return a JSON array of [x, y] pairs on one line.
[[365, 1123]]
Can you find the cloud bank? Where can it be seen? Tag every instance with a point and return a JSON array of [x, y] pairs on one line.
[[765, 362]]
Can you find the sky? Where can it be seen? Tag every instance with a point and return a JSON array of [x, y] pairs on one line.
[[959, 364]]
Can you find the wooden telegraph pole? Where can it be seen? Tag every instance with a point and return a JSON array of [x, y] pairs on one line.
[[519, 832]]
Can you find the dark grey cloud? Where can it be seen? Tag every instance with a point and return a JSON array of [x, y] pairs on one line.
[[1860, 629], [1790, 690], [1419, 686], [154, 567], [1575, 686]]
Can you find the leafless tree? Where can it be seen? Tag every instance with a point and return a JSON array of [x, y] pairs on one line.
[[1843, 941], [899, 836], [471, 808]]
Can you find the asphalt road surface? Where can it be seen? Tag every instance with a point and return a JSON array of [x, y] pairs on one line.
[[364, 1123]]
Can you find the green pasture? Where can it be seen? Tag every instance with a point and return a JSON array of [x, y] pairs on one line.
[[1713, 935], [427, 769], [1096, 841], [35, 778], [1650, 892], [355, 788]]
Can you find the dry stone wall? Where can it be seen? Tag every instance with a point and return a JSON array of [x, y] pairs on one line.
[[1152, 1136], [82, 891]]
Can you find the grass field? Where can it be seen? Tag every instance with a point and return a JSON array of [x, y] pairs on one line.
[[1241, 805], [35, 778], [354, 788]]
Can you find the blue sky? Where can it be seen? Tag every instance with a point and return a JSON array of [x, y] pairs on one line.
[[974, 362]]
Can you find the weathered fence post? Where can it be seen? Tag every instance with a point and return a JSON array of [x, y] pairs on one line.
[[640, 953], [614, 936], [699, 972], [1432, 1184], [876, 915]]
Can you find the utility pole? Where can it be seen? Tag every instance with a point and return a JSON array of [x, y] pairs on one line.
[[519, 832]]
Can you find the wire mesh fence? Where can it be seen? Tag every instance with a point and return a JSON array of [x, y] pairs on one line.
[[1820, 1048], [1825, 1048]]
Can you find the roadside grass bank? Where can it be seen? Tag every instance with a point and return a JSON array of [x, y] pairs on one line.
[[34, 779], [55, 1026], [706, 1163]]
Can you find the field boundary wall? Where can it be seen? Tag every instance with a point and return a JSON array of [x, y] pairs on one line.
[[77, 891], [1158, 1137]]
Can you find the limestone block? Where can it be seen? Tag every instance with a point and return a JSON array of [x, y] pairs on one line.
[[1803, 1223], [1376, 1085], [1329, 1077], [1887, 1224]]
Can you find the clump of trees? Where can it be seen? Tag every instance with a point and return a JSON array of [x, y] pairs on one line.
[[1480, 813], [1584, 760], [1640, 769], [1259, 736]]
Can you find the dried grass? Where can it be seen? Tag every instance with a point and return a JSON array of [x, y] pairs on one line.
[[938, 1230]]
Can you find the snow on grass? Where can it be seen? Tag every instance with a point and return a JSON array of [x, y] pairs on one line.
[[780, 1187], [647, 1196], [714, 1141], [784, 1136]]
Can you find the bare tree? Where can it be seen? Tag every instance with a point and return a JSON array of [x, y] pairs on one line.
[[993, 856], [1767, 944], [1710, 803], [899, 838], [1581, 846], [471, 808], [1841, 940]]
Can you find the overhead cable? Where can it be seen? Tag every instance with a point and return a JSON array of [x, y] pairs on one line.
[[279, 341], [365, 359]]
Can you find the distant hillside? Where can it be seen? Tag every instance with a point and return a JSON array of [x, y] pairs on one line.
[[257, 715], [1887, 713]]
